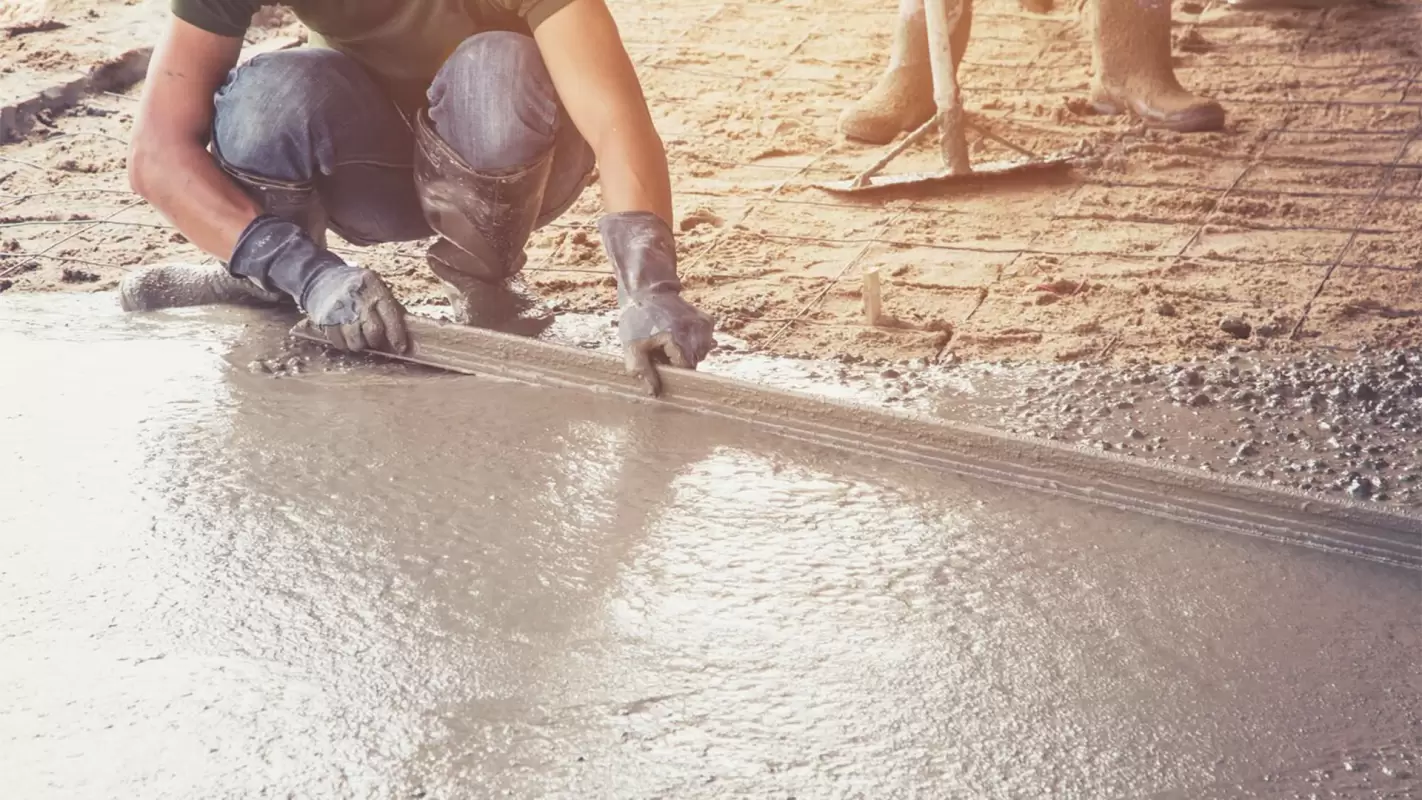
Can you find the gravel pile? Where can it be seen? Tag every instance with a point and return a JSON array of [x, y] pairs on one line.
[[1319, 423]]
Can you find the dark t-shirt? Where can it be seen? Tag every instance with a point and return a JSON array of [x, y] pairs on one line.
[[402, 42]]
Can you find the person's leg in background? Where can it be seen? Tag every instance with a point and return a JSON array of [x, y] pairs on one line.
[[496, 158], [902, 100], [1130, 55], [1133, 70]]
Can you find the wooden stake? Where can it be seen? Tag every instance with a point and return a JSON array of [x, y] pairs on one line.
[[873, 297]]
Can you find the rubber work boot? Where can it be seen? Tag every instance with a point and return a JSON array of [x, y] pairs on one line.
[[902, 100], [182, 285], [1133, 71], [484, 220]]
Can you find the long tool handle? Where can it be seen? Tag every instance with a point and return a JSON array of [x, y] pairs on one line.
[[942, 17]]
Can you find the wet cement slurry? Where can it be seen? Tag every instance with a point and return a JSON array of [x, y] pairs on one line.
[[385, 582], [1338, 425]]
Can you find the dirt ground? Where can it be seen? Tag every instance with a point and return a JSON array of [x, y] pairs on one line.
[[1305, 210]]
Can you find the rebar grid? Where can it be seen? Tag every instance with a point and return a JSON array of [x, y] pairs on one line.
[[1255, 160], [1383, 182], [1259, 157], [787, 185]]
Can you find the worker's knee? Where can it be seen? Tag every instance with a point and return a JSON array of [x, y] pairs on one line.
[[494, 103], [275, 115]]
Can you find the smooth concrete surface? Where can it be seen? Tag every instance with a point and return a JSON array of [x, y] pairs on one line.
[[381, 582]]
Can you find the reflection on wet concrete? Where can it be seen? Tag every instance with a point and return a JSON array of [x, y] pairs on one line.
[[378, 582]]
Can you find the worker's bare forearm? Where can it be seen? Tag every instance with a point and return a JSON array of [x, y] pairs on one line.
[[185, 184], [598, 85], [168, 163], [633, 169]]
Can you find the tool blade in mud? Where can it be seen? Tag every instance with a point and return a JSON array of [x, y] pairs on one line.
[[993, 173]]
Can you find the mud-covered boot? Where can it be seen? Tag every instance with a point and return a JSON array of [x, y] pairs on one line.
[[484, 220], [902, 100], [181, 285], [1133, 70]]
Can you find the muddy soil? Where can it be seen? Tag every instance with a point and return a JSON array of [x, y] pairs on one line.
[[481, 588], [1302, 215]]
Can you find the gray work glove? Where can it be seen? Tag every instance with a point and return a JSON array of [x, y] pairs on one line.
[[352, 306], [657, 325]]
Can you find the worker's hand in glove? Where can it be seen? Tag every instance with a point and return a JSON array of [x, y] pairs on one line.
[[657, 326], [355, 310], [662, 328], [352, 306]]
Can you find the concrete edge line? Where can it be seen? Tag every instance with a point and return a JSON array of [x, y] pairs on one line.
[[1156, 489], [116, 74], [17, 117]]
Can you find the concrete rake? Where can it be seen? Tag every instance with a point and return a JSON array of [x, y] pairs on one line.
[[952, 124]]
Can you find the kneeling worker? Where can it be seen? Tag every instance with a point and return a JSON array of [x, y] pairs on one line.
[[476, 121]]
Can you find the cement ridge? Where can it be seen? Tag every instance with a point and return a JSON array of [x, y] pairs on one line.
[[1153, 488], [18, 116], [116, 74]]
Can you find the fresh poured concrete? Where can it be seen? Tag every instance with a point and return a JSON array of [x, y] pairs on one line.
[[380, 582]]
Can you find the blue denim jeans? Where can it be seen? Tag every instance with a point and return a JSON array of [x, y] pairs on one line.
[[315, 119]]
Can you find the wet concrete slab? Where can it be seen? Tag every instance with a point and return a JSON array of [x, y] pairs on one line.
[[385, 582]]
